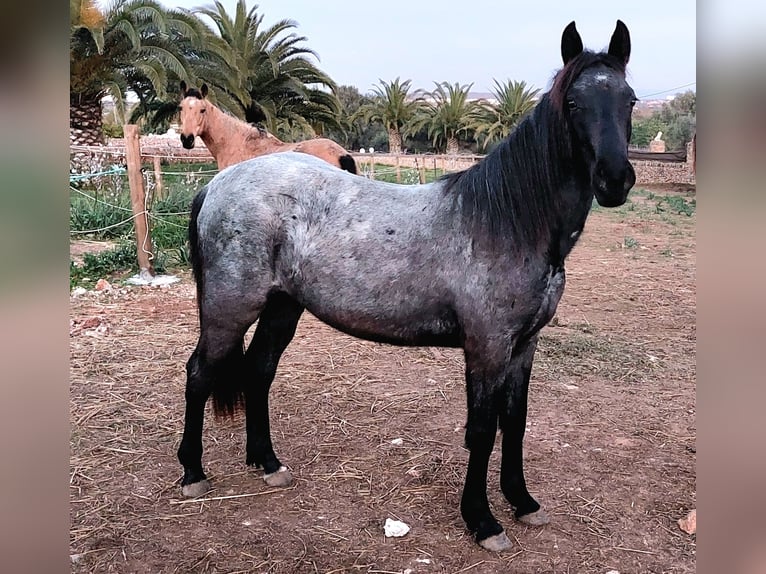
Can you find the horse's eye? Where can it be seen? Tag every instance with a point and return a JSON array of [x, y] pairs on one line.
[[202, 111], [633, 102], [572, 104]]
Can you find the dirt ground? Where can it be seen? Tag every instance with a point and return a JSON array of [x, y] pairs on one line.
[[610, 447]]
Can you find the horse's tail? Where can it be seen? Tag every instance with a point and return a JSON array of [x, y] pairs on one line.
[[347, 162], [228, 386], [195, 252], [228, 393]]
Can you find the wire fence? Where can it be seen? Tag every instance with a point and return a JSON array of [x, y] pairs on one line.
[[100, 195]]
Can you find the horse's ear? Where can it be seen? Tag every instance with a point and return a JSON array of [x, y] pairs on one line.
[[571, 43], [203, 90], [619, 45], [183, 89]]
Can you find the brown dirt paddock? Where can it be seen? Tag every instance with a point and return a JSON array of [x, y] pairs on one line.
[[610, 447]]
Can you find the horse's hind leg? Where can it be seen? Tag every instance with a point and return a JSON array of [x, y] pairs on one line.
[[204, 369], [513, 420], [276, 328]]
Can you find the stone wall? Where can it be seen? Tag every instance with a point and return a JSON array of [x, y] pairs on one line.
[[647, 172]]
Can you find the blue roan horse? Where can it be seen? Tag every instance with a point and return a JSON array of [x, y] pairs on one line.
[[474, 260]]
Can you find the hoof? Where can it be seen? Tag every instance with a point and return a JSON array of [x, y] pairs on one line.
[[195, 489], [496, 543], [281, 477], [537, 518]]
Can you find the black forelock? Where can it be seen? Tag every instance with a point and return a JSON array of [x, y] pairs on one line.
[[194, 93], [566, 76]]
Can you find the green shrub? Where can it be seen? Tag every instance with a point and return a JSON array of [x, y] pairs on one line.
[[677, 204], [105, 264]]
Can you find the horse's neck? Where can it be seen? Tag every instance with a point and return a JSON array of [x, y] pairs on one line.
[[221, 134], [230, 140], [573, 198], [574, 206]]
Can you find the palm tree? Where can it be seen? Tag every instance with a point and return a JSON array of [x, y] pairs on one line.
[[493, 122], [133, 45], [266, 75], [448, 113], [394, 107]]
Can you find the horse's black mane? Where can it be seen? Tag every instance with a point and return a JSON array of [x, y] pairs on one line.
[[511, 194], [193, 93]]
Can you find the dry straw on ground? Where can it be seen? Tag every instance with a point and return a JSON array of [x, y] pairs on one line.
[[610, 447]]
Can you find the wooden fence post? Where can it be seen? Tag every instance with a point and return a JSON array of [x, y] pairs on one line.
[[372, 164], [158, 190], [138, 202], [422, 170], [398, 169]]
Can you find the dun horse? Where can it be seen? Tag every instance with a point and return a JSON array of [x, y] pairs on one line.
[[474, 260], [230, 140]]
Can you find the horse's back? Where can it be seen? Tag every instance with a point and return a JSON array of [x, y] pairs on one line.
[[293, 223]]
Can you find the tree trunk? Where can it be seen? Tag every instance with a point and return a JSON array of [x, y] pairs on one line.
[[85, 120], [394, 141], [86, 128], [452, 147]]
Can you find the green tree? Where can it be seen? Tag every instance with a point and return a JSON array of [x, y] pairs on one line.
[[134, 45], [266, 74], [494, 121], [355, 132], [645, 129], [677, 120], [680, 118], [685, 103], [447, 113], [394, 107]]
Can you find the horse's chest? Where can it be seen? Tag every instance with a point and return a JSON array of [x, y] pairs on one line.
[[543, 306]]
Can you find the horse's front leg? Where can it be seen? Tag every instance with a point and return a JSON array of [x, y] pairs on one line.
[[513, 420], [480, 432]]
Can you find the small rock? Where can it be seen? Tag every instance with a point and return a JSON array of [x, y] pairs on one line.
[[423, 560], [103, 285], [397, 442], [99, 331], [689, 523], [78, 292], [613, 572], [90, 323], [395, 528]]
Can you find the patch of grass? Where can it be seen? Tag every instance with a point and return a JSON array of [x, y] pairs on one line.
[[409, 175], [676, 204], [170, 223], [103, 265], [667, 252], [629, 243], [101, 210], [100, 214]]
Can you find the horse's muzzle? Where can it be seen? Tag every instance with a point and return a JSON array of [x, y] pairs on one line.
[[187, 141], [611, 185]]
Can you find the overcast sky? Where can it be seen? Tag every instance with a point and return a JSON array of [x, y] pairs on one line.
[[475, 41]]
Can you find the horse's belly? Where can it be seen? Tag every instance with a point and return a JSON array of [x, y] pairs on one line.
[[397, 325]]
